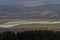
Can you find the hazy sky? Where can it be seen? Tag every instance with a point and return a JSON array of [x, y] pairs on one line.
[[26, 0], [13, 1]]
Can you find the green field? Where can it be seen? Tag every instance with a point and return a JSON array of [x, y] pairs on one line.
[[8, 20], [32, 25], [38, 26], [3, 21]]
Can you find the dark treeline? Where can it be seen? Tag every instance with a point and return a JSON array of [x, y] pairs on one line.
[[31, 35]]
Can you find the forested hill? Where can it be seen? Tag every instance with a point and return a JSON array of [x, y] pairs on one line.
[[31, 35]]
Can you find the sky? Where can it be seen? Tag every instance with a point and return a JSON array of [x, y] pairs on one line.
[[26, 1], [7, 1]]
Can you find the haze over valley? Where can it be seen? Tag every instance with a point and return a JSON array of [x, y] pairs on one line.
[[30, 9]]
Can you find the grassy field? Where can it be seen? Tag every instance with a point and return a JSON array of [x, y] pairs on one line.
[[8, 20], [32, 25], [3, 21], [38, 26]]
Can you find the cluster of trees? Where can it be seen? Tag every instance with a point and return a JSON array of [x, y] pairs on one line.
[[31, 35]]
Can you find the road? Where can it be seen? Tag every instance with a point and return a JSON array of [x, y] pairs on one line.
[[12, 24]]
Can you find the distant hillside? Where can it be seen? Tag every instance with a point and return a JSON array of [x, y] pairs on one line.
[[40, 11]]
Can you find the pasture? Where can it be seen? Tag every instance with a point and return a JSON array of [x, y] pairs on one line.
[[32, 25], [49, 26]]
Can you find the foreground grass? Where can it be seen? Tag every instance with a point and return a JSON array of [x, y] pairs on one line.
[[38, 26]]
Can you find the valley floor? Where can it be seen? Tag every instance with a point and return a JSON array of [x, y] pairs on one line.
[[31, 24]]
